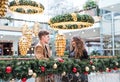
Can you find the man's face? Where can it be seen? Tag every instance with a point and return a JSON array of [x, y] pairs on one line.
[[46, 38]]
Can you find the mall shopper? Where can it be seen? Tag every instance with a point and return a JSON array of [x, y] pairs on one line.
[[77, 49], [42, 51]]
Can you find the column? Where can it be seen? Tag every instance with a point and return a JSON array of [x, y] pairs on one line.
[[15, 48], [113, 33]]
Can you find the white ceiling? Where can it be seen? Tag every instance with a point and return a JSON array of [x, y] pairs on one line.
[[113, 8], [110, 5]]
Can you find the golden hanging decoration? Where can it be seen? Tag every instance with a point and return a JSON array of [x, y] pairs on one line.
[[36, 29], [23, 45], [26, 40], [71, 21], [26, 6], [24, 28], [60, 45], [28, 35], [3, 7]]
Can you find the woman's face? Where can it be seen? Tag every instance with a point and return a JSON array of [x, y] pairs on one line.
[[73, 43]]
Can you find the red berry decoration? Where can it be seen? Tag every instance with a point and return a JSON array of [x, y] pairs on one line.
[[74, 69], [42, 68], [8, 69], [24, 79]]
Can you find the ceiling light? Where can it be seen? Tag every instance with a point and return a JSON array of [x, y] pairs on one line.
[[1, 36], [94, 30], [70, 34], [82, 32]]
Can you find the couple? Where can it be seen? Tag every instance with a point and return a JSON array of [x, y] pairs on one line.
[[42, 50]]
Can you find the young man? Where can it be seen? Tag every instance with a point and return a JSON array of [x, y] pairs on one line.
[[41, 50]]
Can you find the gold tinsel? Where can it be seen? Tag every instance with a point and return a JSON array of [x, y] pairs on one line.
[[36, 28], [3, 7], [28, 35], [60, 45], [23, 45]]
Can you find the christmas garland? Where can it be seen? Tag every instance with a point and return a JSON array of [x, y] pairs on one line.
[[90, 4], [11, 69], [71, 21], [26, 6]]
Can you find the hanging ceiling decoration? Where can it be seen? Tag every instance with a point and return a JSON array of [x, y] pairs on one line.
[[27, 35], [23, 45], [71, 21], [60, 45], [26, 6], [3, 7], [36, 29]]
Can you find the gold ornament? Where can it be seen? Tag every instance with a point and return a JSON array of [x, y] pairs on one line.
[[60, 44], [30, 72], [77, 74], [23, 45], [116, 63], [64, 73], [34, 75], [93, 67], [107, 69], [36, 29], [87, 68], [55, 66], [74, 16], [12, 80]]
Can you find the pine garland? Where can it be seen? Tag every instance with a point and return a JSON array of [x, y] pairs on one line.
[[14, 68]]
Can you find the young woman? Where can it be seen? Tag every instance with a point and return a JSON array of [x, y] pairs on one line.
[[77, 49]]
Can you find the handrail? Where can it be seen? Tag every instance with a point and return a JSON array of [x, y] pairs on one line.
[[17, 58], [91, 57], [100, 57]]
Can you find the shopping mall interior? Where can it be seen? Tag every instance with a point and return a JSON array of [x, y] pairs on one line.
[[97, 22], [102, 37]]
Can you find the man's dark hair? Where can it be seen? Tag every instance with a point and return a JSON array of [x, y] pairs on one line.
[[42, 33]]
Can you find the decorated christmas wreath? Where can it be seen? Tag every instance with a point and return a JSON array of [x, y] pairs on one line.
[[26, 6], [71, 21]]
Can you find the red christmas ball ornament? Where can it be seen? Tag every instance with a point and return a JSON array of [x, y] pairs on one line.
[[8, 69], [42, 68], [115, 68], [24, 79], [109, 70], [86, 73], [91, 62], [60, 60], [74, 69]]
